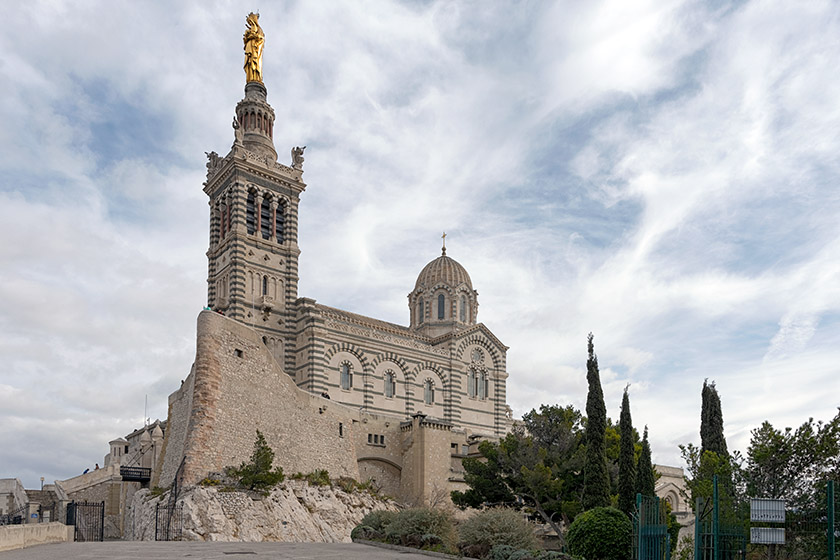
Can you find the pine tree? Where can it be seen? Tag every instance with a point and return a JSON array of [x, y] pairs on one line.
[[711, 422], [596, 480], [626, 459], [645, 479]]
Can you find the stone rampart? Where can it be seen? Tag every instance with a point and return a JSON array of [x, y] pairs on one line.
[[21, 536], [73, 486], [180, 405], [239, 388]]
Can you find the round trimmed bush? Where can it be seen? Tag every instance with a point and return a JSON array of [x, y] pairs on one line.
[[602, 533], [481, 532]]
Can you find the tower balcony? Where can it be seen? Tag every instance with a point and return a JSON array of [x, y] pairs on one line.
[[266, 303]]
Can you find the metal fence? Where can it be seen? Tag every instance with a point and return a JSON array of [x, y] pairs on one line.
[[651, 540], [88, 520], [15, 517], [719, 528], [168, 522], [811, 531]]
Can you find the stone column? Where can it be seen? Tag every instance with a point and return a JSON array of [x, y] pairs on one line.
[[32, 510]]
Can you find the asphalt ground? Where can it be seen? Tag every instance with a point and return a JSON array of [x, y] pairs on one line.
[[145, 550]]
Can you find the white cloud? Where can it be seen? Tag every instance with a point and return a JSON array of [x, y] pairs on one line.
[[663, 175]]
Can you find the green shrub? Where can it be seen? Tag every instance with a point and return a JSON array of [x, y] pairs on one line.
[[365, 532], [490, 527], [409, 526], [258, 473], [602, 533], [378, 519], [207, 481], [320, 477], [501, 552], [505, 552], [158, 491], [557, 555]]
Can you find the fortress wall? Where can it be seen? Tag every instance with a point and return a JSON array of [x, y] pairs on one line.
[[240, 388], [427, 464], [180, 405]]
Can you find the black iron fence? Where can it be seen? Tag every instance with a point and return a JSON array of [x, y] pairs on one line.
[[14, 517], [88, 520], [168, 522]]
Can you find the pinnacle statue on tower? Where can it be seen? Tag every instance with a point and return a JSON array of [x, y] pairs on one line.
[[254, 39]]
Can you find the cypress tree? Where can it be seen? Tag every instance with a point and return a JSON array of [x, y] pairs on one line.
[[645, 479], [596, 480], [626, 460], [711, 421]]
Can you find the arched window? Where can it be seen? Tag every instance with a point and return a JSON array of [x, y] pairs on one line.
[[429, 392], [265, 218], [463, 309], [265, 286], [346, 376], [441, 304], [471, 383], [280, 222], [420, 312], [250, 214], [482, 386], [390, 384]]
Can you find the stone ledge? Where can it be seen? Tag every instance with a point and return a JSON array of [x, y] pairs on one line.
[[22, 536], [399, 548]]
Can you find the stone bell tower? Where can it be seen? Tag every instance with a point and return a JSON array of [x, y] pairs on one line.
[[253, 255]]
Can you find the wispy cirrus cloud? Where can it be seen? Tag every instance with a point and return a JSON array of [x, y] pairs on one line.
[[661, 174]]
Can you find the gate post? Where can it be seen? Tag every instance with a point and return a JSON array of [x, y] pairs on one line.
[[829, 499], [102, 523], [716, 520], [638, 525]]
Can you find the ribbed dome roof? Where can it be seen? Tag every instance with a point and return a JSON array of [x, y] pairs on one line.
[[443, 269]]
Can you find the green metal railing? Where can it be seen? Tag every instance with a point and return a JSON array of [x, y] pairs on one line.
[[719, 533], [811, 531], [651, 540]]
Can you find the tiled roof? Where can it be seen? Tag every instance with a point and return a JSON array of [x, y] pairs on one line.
[[443, 270]]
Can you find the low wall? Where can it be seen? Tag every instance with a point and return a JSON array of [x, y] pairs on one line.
[[21, 536]]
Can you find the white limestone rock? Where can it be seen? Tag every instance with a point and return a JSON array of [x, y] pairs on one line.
[[293, 512]]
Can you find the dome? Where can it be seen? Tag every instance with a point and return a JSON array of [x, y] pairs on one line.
[[444, 270]]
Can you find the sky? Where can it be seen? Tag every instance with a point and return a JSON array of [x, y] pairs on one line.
[[663, 174]]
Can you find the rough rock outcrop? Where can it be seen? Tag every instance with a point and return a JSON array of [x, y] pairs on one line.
[[293, 512]]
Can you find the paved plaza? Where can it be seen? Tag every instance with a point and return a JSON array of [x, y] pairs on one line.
[[144, 550]]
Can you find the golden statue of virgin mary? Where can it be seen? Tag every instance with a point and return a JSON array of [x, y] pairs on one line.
[[254, 40]]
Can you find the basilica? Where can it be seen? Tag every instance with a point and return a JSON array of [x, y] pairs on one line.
[[400, 404]]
